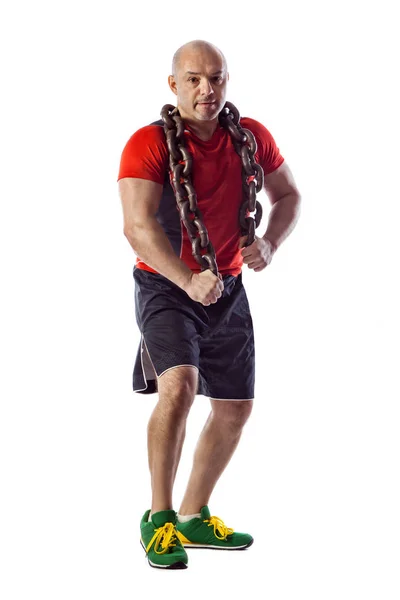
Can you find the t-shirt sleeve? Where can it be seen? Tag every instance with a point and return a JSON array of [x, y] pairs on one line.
[[268, 154], [145, 155]]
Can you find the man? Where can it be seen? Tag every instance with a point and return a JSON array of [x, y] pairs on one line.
[[197, 332]]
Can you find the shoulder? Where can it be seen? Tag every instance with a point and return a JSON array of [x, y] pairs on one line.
[[150, 135], [145, 155], [257, 128], [268, 153]]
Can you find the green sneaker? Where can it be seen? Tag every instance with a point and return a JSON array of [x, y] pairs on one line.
[[158, 537], [211, 532]]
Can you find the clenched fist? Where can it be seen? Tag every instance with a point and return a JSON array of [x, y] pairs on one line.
[[205, 287], [259, 254]]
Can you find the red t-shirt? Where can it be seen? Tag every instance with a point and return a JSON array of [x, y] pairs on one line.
[[216, 177]]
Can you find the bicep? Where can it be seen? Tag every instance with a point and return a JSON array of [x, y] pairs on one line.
[[140, 200], [280, 183]]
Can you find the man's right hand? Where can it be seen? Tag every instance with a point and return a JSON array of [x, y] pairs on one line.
[[205, 287]]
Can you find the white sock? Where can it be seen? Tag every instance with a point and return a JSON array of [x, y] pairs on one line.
[[186, 518]]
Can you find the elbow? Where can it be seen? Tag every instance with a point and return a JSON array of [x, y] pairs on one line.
[[292, 200], [131, 229], [137, 226], [296, 208], [138, 230], [127, 231], [295, 202]]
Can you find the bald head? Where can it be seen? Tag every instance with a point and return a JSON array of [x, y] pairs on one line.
[[188, 50], [199, 81]]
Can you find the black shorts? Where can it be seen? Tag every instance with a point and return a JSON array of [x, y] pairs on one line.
[[218, 339]]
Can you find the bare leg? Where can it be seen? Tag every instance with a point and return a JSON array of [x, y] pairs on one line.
[[166, 431], [214, 450]]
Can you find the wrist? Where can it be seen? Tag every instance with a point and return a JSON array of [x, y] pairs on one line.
[[185, 280], [271, 242]]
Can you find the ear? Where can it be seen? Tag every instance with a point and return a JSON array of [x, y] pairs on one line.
[[172, 84]]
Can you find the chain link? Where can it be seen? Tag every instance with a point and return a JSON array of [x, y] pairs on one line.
[[181, 163]]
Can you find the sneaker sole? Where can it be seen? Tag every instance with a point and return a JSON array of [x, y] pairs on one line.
[[174, 566], [211, 547]]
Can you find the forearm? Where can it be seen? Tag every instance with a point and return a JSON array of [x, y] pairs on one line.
[[283, 217], [151, 244]]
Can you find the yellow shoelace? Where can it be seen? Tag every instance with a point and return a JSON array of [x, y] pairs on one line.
[[221, 531], [164, 536]]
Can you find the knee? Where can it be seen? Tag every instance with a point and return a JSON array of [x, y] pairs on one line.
[[232, 414], [177, 389]]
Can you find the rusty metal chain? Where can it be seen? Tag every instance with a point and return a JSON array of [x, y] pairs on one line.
[[180, 164]]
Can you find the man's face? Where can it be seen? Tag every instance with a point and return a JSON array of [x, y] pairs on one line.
[[200, 85]]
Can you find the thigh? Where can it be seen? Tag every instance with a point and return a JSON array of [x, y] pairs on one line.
[[170, 323], [227, 352]]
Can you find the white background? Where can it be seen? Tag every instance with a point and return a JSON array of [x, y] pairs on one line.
[[315, 478]]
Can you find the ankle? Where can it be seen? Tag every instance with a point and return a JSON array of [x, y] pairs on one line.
[[185, 518]]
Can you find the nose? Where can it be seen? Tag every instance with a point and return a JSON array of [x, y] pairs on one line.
[[205, 88]]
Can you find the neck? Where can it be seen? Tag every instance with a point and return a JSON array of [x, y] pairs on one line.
[[203, 129]]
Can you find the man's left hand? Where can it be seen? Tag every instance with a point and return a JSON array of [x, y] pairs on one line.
[[259, 254]]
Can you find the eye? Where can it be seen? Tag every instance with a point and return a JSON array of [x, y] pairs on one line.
[[217, 78]]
